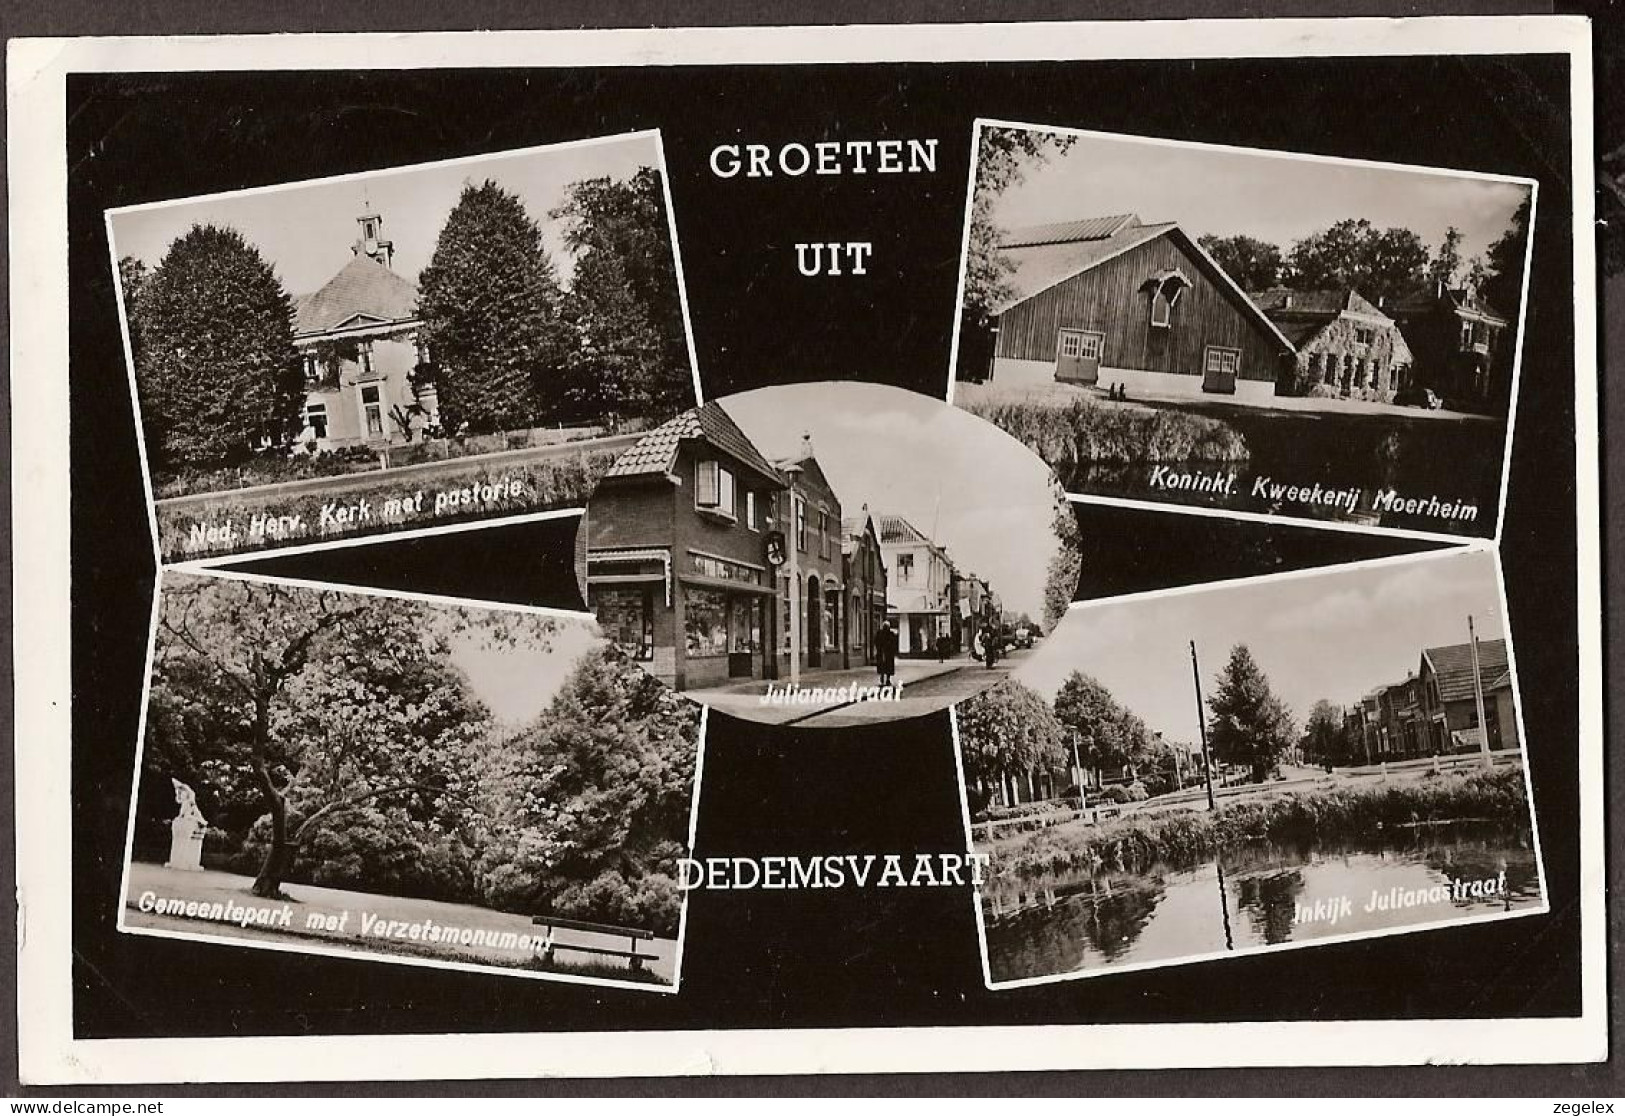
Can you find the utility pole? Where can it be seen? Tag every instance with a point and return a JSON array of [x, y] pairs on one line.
[[792, 540], [1478, 696], [1201, 723]]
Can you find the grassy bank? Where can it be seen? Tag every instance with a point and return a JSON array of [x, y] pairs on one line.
[[462, 491], [1080, 431], [1189, 837]]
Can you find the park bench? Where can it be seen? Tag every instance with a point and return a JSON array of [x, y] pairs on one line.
[[633, 935]]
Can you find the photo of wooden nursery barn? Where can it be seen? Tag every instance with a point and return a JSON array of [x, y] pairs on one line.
[[401, 349], [725, 561], [1254, 331]]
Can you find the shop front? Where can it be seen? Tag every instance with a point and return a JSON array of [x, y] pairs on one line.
[[726, 608]]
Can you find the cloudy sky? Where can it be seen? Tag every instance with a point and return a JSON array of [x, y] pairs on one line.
[[971, 487], [1268, 196], [1329, 635], [305, 231], [517, 682]]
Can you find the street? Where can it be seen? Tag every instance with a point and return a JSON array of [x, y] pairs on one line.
[[927, 687]]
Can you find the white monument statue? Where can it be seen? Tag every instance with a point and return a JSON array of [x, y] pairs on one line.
[[186, 831]]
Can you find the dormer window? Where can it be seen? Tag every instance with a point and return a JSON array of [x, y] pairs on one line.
[[714, 488]]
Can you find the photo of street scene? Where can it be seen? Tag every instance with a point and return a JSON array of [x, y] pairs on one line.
[[344, 773], [1297, 759], [922, 553], [1257, 332], [401, 349]]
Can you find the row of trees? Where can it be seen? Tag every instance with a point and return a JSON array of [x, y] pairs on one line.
[[211, 328], [1010, 730], [336, 741], [1379, 263]]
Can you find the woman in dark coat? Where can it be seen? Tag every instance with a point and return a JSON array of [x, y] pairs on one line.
[[886, 653]]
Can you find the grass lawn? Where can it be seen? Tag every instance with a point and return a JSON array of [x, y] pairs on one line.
[[379, 502], [314, 909]]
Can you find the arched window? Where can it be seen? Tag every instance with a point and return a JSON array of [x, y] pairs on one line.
[[1165, 288]]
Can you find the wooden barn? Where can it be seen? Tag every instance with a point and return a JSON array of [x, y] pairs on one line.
[[1110, 300]]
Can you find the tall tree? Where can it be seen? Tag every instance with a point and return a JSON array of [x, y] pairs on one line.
[[492, 316], [1323, 733], [1352, 253], [1248, 724], [632, 356], [1004, 156], [1254, 264], [1008, 730], [1446, 265], [1502, 286], [1061, 577], [322, 702], [591, 801], [1108, 734], [215, 366]]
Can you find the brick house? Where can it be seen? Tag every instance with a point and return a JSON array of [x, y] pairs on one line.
[[1449, 701], [1462, 346], [358, 335], [865, 570], [1345, 346], [677, 566], [811, 513]]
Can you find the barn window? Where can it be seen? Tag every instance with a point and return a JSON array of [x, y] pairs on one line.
[[1165, 288], [1223, 361]]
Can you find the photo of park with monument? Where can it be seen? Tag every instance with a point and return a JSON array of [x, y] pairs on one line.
[[337, 772]]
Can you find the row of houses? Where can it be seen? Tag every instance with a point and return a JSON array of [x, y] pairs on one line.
[[1434, 711], [1144, 305], [688, 559]]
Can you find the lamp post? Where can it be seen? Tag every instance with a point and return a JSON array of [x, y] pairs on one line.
[[792, 552]]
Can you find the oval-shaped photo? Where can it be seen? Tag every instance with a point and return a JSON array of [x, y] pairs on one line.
[[828, 554]]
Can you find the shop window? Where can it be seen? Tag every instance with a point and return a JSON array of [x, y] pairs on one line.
[[705, 623], [627, 616], [744, 629]]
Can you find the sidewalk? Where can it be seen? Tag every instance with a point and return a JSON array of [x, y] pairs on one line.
[[744, 698]]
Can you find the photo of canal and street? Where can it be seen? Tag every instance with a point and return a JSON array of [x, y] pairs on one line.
[[1367, 772]]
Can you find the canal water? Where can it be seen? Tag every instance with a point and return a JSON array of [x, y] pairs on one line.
[[1263, 895], [1452, 466]]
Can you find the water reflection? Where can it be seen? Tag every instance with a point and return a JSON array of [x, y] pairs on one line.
[[1059, 924]]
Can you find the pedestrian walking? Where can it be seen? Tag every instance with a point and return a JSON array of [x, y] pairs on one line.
[[886, 653]]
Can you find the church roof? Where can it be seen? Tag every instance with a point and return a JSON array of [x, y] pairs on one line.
[[364, 292]]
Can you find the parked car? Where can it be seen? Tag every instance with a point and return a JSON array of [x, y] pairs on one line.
[[1423, 397]]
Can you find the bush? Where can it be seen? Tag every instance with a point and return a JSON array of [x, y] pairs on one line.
[[373, 850], [1082, 430]]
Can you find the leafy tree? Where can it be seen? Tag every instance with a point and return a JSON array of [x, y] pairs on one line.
[[1061, 579], [1254, 264], [1323, 733], [324, 703], [215, 366], [632, 356], [1383, 263], [1107, 734], [1502, 284], [592, 800], [1004, 157], [1008, 729], [1248, 724], [491, 310], [1446, 263]]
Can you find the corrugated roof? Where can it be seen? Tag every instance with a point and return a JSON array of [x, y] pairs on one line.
[[1065, 232], [1453, 667], [655, 454], [362, 286], [1041, 266]]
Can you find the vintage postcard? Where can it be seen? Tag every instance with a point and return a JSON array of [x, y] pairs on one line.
[[402, 349], [1286, 762], [1257, 332], [353, 774]]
